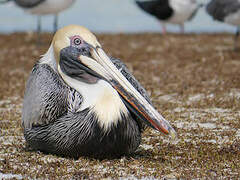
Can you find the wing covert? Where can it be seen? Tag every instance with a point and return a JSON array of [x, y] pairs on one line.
[[159, 8], [45, 98], [28, 3]]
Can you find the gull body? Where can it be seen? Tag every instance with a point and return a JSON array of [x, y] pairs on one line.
[[44, 7], [227, 11], [80, 102], [170, 11]]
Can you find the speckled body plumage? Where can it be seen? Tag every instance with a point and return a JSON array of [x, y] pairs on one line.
[[63, 130]]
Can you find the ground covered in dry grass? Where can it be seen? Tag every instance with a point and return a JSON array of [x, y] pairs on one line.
[[194, 81]]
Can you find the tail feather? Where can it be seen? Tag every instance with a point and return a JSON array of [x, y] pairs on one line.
[[148, 6], [159, 8], [196, 10]]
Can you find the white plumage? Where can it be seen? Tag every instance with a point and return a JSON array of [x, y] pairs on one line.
[[183, 10], [50, 7]]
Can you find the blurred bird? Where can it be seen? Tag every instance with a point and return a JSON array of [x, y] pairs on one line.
[[43, 7], [81, 102], [170, 11], [227, 11]]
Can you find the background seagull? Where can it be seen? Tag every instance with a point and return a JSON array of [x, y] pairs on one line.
[[43, 7], [227, 11], [170, 11]]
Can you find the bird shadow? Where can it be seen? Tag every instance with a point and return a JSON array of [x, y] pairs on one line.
[[139, 154]]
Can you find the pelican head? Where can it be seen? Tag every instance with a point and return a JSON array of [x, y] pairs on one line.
[[81, 62]]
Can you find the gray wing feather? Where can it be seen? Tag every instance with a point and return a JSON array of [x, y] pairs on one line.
[[45, 97], [219, 9], [124, 70], [28, 3]]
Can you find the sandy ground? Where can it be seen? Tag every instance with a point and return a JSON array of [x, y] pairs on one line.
[[194, 81]]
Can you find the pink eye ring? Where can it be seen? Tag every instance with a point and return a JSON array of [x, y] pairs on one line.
[[77, 41]]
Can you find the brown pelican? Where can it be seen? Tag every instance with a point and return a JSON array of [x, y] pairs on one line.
[[43, 7], [170, 11], [80, 102], [227, 11]]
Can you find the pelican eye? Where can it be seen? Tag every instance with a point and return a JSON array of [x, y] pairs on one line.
[[77, 41]]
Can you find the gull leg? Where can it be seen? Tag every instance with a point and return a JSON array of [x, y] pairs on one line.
[[55, 23], [39, 30], [164, 30], [182, 28], [236, 39]]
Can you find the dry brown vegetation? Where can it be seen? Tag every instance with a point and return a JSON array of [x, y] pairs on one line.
[[194, 81]]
